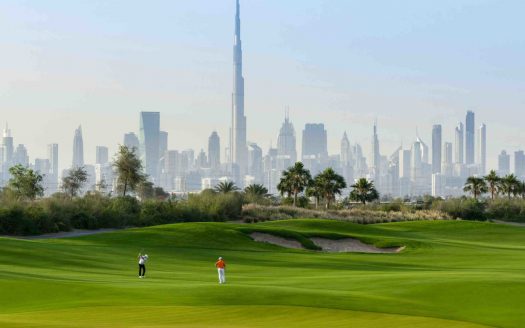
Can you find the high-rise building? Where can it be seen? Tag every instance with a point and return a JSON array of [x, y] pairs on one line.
[[20, 156], [519, 164], [238, 145], [482, 144], [459, 142], [102, 155], [376, 156], [163, 142], [314, 148], [131, 141], [470, 138], [149, 143], [78, 148], [286, 145], [447, 167], [8, 145], [214, 151], [503, 163], [436, 148], [346, 160], [255, 163], [52, 156]]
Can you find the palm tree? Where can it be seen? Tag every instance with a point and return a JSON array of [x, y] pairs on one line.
[[256, 192], [294, 180], [477, 186], [364, 191], [226, 187], [492, 180], [508, 185], [329, 184], [313, 190]]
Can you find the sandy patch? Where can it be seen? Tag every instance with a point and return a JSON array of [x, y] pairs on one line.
[[351, 245], [279, 241]]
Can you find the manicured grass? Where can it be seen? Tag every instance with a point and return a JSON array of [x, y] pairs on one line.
[[452, 274]]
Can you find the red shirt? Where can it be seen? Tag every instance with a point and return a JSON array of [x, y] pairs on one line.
[[220, 264]]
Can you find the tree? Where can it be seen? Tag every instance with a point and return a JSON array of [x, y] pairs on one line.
[[476, 186], [226, 187], [255, 192], [294, 180], [314, 190], [128, 168], [364, 191], [508, 185], [492, 180], [329, 184], [73, 182], [25, 183]]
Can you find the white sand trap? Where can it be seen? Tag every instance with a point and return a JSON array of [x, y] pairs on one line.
[[279, 241], [351, 245]]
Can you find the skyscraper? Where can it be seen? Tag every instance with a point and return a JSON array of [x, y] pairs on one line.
[[519, 164], [314, 148], [102, 155], [78, 149], [503, 163], [52, 156], [8, 145], [346, 151], [482, 144], [214, 150], [376, 156], [436, 148], [470, 138], [163, 143], [238, 145], [149, 142], [459, 142], [447, 166], [286, 145], [131, 141]]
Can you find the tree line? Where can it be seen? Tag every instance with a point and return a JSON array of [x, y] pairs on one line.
[[508, 186]]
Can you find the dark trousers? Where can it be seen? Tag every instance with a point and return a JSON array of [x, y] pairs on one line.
[[142, 270]]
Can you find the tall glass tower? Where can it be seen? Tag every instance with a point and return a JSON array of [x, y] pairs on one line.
[[238, 145], [149, 143], [470, 131]]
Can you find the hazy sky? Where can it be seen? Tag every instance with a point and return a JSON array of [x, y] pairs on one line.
[[410, 63]]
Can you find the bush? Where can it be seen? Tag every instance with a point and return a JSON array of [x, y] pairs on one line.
[[94, 211], [462, 208], [506, 209]]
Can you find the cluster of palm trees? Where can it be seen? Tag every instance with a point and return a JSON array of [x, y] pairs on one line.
[[254, 193], [508, 185], [297, 179]]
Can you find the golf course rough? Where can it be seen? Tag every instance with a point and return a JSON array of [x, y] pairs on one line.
[[451, 274]]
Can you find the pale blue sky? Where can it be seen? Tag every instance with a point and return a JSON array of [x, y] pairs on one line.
[[340, 62]]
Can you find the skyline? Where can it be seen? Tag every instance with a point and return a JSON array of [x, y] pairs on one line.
[[315, 97]]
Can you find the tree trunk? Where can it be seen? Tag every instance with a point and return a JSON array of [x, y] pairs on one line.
[[295, 198]]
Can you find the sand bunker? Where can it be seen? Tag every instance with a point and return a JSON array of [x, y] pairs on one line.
[[351, 245], [328, 245], [279, 241]]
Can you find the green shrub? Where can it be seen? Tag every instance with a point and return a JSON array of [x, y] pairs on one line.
[[462, 208], [506, 209]]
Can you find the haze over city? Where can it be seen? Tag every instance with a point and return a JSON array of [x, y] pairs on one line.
[[407, 67]]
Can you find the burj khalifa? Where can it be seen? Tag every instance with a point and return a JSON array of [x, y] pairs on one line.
[[238, 145]]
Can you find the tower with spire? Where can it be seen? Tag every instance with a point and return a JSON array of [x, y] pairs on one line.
[[238, 145]]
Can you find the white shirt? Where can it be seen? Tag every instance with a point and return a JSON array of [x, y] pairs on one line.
[[143, 259]]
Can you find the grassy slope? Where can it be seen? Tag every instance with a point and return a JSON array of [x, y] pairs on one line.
[[462, 271]]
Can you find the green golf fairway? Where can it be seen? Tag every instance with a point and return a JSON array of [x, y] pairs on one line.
[[451, 274]]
